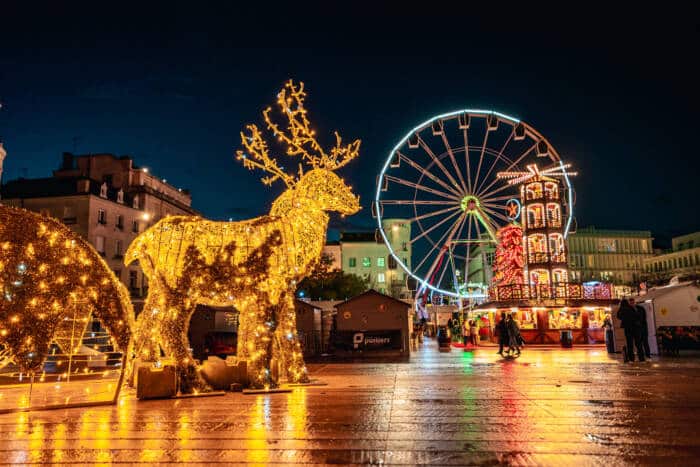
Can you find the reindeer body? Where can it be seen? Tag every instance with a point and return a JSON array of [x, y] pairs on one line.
[[253, 265]]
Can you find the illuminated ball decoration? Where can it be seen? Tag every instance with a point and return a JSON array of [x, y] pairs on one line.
[[510, 256], [253, 265], [49, 273]]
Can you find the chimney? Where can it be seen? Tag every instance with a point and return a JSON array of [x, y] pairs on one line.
[[67, 161]]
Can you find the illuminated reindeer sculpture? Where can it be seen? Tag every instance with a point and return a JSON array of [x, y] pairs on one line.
[[253, 265]]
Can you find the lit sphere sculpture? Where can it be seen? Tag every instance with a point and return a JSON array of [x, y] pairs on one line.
[[47, 273]]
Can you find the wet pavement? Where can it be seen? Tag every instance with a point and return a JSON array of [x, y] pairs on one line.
[[548, 407]]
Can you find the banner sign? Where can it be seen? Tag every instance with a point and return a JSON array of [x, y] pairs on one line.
[[369, 340]]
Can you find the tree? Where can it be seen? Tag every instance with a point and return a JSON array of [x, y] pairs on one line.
[[326, 283]]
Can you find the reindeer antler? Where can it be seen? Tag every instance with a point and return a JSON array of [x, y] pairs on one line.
[[299, 138]]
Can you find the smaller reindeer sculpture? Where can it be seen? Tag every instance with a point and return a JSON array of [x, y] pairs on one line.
[[253, 265]]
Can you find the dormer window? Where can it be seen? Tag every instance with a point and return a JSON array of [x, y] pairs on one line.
[[135, 204], [103, 190], [120, 196]]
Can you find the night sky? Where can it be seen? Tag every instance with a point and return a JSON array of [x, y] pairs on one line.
[[172, 87]]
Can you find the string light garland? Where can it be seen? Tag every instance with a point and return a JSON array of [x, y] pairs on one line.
[[253, 265], [47, 274]]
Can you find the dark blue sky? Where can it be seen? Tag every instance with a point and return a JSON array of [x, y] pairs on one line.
[[616, 93]]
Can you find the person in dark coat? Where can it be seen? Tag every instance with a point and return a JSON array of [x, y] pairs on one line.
[[643, 328], [502, 329], [514, 342], [629, 319]]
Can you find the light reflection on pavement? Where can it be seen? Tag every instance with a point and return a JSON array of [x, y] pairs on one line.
[[549, 406]]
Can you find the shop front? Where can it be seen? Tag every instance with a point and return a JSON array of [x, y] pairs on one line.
[[545, 324]]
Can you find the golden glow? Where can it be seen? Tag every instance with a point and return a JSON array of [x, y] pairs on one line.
[[253, 265]]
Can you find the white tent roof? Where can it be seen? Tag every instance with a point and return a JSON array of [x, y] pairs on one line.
[[657, 292]]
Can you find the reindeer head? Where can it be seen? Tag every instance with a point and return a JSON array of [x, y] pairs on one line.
[[328, 191], [320, 184]]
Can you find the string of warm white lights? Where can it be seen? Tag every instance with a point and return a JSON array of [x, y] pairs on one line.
[[517, 177], [253, 265]]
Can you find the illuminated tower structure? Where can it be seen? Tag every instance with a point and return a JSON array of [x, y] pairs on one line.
[[544, 246], [546, 261]]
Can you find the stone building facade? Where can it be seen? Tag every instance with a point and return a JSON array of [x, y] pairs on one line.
[[106, 199]]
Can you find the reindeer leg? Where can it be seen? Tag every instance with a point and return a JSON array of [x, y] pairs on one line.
[[176, 322], [290, 351], [146, 333], [255, 343]]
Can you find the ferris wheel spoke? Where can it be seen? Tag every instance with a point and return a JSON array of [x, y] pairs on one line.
[[469, 248], [430, 252], [402, 202], [432, 214], [426, 232], [437, 161], [447, 243], [496, 214], [496, 199], [454, 161], [466, 158], [418, 186], [513, 164], [427, 173], [481, 159], [496, 159]]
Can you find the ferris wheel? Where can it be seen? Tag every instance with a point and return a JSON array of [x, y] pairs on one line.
[[441, 180]]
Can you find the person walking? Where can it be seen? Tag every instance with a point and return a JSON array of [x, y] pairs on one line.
[[502, 329], [643, 327], [466, 336], [629, 320], [474, 332], [513, 336]]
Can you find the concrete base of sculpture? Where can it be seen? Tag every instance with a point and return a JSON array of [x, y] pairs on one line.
[[156, 383], [222, 374]]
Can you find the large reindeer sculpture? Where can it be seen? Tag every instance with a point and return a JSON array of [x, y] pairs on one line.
[[253, 265]]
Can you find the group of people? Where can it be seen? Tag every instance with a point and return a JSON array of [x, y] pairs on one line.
[[470, 333], [633, 320], [509, 336]]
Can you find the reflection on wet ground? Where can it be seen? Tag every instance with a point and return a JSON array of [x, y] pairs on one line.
[[550, 406]]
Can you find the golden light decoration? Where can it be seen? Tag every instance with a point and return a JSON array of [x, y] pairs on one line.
[[48, 273], [253, 265]]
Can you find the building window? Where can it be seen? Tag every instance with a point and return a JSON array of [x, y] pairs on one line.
[[120, 222], [381, 262], [120, 196], [366, 262], [352, 262], [135, 226], [118, 273], [381, 278], [103, 190], [101, 217], [405, 262], [44, 212], [69, 215], [100, 244], [404, 246], [392, 263], [118, 250], [133, 280]]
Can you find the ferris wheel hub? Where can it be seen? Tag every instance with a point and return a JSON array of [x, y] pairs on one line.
[[470, 203]]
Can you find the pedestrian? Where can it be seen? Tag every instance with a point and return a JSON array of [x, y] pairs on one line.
[[466, 336], [474, 332], [643, 327], [630, 323], [513, 336], [502, 330]]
